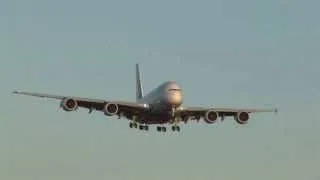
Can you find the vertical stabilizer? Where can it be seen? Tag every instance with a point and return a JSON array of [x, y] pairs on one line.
[[139, 90]]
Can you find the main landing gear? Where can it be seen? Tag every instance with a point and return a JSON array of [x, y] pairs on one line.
[[134, 124], [161, 129], [164, 129], [145, 127], [175, 120], [175, 128], [140, 126]]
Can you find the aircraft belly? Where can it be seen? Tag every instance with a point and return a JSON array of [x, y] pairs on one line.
[[156, 117], [160, 112], [160, 119]]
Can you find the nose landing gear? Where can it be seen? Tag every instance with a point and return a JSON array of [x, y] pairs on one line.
[[176, 121]]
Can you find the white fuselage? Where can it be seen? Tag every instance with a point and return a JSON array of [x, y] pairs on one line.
[[164, 99]]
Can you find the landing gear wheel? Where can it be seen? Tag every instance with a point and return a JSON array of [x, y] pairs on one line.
[[161, 129], [175, 128], [146, 127], [141, 127], [133, 125]]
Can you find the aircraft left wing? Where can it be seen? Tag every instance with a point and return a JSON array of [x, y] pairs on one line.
[[109, 107], [210, 115]]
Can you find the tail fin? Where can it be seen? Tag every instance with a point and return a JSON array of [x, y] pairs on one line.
[[139, 90]]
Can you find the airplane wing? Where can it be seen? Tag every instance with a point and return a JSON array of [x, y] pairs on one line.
[[125, 107], [240, 114]]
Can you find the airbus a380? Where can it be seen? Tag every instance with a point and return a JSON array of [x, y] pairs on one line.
[[162, 106]]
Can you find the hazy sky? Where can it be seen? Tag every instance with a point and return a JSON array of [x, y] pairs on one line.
[[224, 53]]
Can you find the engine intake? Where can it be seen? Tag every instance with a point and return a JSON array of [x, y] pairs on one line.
[[211, 117], [69, 104], [242, 117], [111, 109]]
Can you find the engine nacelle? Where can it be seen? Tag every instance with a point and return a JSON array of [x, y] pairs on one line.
[[111, 109], [69, 104], [242, 117], [211, 117]]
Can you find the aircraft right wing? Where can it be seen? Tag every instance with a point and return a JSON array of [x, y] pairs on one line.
[[109, 107], [210, 115]]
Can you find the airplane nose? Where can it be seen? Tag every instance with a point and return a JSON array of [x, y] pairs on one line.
[[174, 98]]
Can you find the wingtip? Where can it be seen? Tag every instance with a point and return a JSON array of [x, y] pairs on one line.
[[15, 92], [276, 110], [18, 92]]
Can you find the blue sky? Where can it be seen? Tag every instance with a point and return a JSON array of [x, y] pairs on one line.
[[223, 53]]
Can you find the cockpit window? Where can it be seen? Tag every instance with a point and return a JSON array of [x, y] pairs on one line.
[[174, 89]]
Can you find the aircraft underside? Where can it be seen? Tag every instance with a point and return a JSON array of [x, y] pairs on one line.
[[160, 117]]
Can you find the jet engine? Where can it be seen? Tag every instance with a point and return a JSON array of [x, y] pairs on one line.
[[111, 109], [211, 117], [69, 104], [242, 117]]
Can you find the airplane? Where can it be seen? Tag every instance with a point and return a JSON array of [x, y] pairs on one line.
[[162, 106]]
